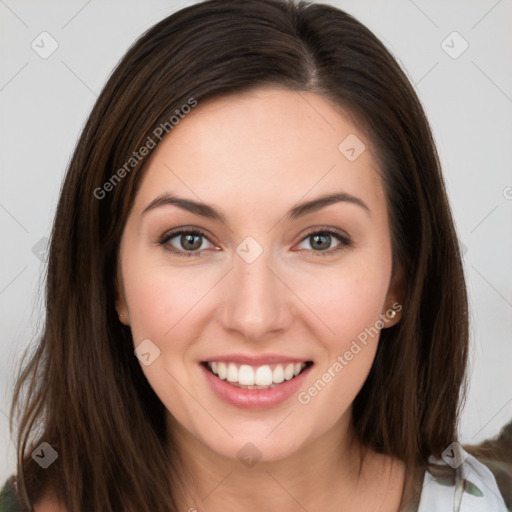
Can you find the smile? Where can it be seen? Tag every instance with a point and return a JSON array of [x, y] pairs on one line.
[[246, 376]]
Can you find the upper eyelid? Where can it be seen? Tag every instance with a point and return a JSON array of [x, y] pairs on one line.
[[178, 231]]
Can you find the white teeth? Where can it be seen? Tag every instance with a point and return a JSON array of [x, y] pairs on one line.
[[232, 373], [263, 376], [288, 372], [246, 375], [278, 374], [222, 370]]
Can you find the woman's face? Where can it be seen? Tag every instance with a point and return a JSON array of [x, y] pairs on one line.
[[262, 289]]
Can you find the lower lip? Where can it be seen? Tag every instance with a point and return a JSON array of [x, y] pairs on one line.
[[254, 398]]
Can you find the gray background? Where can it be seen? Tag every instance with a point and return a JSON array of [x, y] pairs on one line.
[[468, 99]]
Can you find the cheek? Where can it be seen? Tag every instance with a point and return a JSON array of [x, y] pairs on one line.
[[166, 303], [158, 300], [148, 300], [350, 312], [347, 298]]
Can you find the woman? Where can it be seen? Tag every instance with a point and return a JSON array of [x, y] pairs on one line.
[[255, 295]]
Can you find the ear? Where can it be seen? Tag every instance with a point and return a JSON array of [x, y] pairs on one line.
[[121, 305], [394, 299]]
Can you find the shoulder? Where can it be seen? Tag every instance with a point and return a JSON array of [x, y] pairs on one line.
[[459, 482], [11, 502], [496, 454]]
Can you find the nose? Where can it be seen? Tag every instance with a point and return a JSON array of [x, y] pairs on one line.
[[256, 302]]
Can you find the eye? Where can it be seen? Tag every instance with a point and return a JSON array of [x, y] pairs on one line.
[[189, 242], [322, 239]]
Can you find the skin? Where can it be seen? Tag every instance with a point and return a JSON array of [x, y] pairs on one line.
[[253, 156]]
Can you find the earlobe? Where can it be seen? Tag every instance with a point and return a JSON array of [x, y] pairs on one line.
[[121, 307], [394, 307], [124, 320], [122, 312], [393, 312]]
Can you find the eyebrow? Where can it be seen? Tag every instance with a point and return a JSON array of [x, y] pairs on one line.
[[210, 212]]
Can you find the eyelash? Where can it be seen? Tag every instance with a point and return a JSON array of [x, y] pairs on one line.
[[345, 241]]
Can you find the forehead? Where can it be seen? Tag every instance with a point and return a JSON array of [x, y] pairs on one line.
[[266, 146]]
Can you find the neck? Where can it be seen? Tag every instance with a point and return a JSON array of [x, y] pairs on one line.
[[323, 474]]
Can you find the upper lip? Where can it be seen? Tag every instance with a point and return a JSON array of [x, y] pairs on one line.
[[256, 360]]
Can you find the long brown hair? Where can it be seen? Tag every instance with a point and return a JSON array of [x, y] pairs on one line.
[[86, 394]]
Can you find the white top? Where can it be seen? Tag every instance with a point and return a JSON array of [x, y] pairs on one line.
[[475, 489]]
